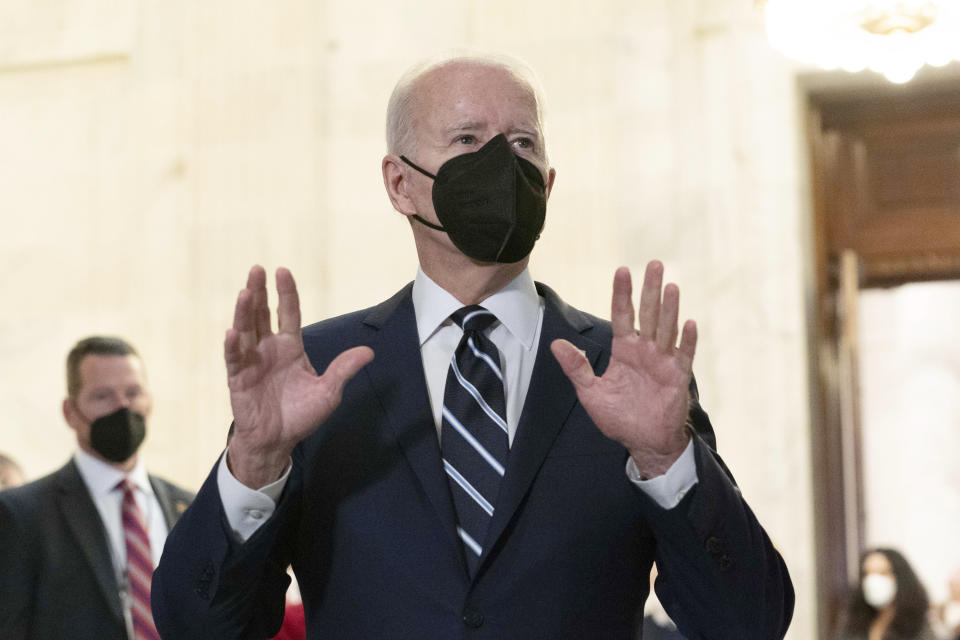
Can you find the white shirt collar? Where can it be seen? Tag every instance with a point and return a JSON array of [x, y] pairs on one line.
[[101, 478], [517, 307]]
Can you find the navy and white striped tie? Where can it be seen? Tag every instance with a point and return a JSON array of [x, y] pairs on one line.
[[473, 437]]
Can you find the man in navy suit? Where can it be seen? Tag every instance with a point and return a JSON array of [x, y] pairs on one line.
[[610, 465]]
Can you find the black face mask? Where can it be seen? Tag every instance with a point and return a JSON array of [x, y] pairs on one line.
[[117, 436], [491, 202]]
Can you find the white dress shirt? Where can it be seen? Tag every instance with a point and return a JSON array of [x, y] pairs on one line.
[[519, 311]]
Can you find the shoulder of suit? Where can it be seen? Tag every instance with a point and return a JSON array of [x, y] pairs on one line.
[[349, 327], [174, 491], [36, 494], [171, 496], [353, 321], [324, 340], [579, 320]]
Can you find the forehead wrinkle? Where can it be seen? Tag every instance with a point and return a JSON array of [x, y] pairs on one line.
[[465, 126], [430, 96]]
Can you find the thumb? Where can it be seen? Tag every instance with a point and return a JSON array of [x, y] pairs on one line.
[[345, 366], [574, 363]]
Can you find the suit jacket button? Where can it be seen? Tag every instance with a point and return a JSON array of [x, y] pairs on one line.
[[472, 616], [714, 545]]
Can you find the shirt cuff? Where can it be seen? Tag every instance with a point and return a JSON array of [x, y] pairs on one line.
[[246, 509], [668, 490]]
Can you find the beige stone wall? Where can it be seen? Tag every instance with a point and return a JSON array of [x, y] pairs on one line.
[[152, 151]]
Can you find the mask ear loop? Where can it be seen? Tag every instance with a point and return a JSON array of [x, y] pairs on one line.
[[423, 171], [417, 217], [427, 223]]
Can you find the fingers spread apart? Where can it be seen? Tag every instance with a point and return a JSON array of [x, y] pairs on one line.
[[658, 313]]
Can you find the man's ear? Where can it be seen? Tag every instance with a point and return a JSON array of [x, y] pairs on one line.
[[396, 183], [551, 176], [69, 412]]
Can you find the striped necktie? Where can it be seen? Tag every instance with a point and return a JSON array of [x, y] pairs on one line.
[[473, 436], [139, 565]]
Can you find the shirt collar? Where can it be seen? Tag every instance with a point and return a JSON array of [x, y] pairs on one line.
[[517, 307], [102, 478]]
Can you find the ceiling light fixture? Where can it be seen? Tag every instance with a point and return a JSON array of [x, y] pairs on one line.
[[892, 37]]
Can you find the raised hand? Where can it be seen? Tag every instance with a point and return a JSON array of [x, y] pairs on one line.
[[642, 399], [277, 397]]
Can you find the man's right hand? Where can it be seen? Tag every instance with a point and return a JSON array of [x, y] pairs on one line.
[[277, 397]]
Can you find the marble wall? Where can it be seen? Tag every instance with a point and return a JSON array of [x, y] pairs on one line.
[[154, 150]]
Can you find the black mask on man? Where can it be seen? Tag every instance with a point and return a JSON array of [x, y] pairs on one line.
[[491, 202], [117, 436]]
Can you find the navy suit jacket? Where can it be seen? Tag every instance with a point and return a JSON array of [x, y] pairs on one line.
[[367, 521], [56, 575]]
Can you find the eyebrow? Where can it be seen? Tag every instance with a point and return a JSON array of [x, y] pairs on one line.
[[474, 126], [533, 133]]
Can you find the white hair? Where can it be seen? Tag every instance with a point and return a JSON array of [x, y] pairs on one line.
[[401, 138]]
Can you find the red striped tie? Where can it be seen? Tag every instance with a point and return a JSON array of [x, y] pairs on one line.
[[139, 566]]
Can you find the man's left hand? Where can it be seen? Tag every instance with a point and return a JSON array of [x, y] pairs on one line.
[[642, 399]]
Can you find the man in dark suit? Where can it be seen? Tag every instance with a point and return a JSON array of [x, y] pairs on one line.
[[537, 517], [63, 539]]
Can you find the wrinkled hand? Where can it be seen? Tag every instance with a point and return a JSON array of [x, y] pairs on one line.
[[277, 397], [642, 399]]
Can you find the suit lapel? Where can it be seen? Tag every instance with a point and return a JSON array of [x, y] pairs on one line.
[[171, 506], [550, 399], [396, 374], [83, 519]]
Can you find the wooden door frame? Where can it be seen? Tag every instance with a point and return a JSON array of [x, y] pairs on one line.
[[831, 522]]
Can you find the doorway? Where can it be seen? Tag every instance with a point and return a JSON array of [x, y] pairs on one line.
[[909, 372], [886, 176]]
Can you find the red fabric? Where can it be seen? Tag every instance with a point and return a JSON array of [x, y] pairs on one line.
[[139, 565], [294, 624]]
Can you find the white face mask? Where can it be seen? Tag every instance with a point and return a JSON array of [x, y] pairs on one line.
[[879, 590]]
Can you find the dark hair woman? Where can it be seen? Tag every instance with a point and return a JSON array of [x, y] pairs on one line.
[[889, 603]]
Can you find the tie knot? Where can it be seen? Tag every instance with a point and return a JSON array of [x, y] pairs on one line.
[[126, 486], [473, 318]]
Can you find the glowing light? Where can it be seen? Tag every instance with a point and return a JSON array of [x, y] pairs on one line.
[[892, 37]]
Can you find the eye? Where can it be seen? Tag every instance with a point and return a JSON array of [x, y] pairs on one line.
[[467, 139], [524, 143]]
